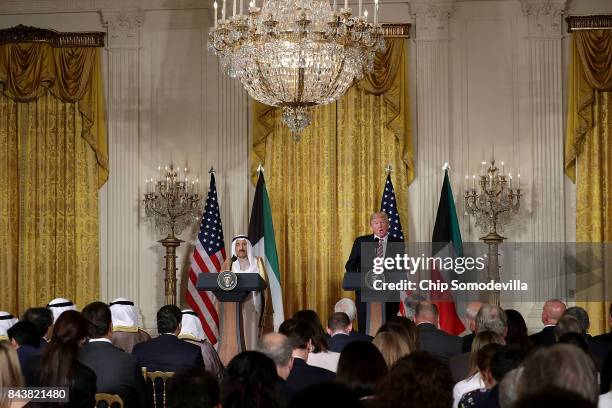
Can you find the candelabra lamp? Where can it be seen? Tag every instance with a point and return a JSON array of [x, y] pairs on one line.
[[172, 202], [492, 201]]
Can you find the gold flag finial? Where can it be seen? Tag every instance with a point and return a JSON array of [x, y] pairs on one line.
[[389, 168]]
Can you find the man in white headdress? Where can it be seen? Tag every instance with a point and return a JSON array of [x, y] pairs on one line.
[[7, 321], [59, 306], [126, 331], [192, 332], [255, 320]]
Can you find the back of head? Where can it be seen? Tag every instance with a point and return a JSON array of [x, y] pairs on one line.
[[193, 388], [554, 397], [338, 322], [319, 339], [24, 333], [298, 331], [249, 382], [575, 339], [552, 311], [405, 328], [10, 371], [508, 388], [41, 317], [581, 315], [347, 306], [481, 341], [506, 359], [485, 355], [59, 306], [568, 324], [100, 321], [123, 313], [426, 383], [325, 394], [491, 318], [391, 346], [277, 347], [426, 312], [562, 366], [360, 367], [517, 329], [59, 357], [168, 319]]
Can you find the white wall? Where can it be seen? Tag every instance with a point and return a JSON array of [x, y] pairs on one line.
[[483, 73]]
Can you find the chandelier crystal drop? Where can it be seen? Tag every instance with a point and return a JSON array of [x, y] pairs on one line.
[[296, 54]]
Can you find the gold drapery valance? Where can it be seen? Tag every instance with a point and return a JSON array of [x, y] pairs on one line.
[[71, 74]]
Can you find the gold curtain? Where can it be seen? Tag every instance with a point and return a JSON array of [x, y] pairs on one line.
[[53, 159], [323, 188], [588, 152]]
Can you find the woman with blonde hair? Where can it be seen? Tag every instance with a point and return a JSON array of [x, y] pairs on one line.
[[392, 346], [475, 379], [10, 373]]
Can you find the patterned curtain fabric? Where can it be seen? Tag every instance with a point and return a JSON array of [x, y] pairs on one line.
[[588, 153], [324, 187], [53, 159]]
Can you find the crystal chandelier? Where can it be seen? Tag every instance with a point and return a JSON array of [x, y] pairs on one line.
[[295, 54]]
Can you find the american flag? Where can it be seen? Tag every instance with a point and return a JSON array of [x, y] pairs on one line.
[[208, 256], [389, 205]]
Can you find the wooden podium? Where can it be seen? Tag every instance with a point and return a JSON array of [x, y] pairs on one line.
[[231, 341], [375, 311]]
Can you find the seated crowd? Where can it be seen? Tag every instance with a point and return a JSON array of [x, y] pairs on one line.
[[409, 363]]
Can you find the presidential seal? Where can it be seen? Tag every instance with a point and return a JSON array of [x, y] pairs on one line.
[[227, 280], [371, 277]]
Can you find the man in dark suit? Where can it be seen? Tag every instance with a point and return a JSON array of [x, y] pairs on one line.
[[24, 336], [43, 320], [606, 337], [167, 352], [117, 372], [378, 242], [434, 340], [551, 313], [347, 306], [302, 375], [279, 349], [339, 328]]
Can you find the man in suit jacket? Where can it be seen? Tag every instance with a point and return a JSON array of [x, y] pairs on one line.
[[302, 375], [551, 313], [24, 337], [279, 349], [117, 372], [339, 328], [434, 340], [167, 352], [347, 306], [379, 222]]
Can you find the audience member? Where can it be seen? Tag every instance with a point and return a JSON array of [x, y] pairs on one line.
[[166, 352], [117, 372], [391, 346], [575, 339], [277, 348], [551, 313], [469, 321], [554, 397], [582, 316], [508, 394], [58, 365], [468, 369], [59, 306], [7, 321], [418, 380], [405, 328], [43, 320], [325, 395], [126, 331], [605, 383], [24, 338], [432, 339], [250, 382], [193, 388], [193, 332], [361, 367], [517, 330], [567, 324], [10, 373], [321, 355], [606, 337], [492, 318], [347, 306], [339, 328], [302, 375], [598, 349], [563, 366]]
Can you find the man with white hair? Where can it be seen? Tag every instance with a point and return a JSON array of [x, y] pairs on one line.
[[471, 310], [346, 305], [126, 331], [7, 321], [59, 306], [552, 311], [256, 313], [192, 332]]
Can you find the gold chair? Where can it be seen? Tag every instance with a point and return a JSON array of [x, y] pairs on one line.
[[109, 399], [164, 376]]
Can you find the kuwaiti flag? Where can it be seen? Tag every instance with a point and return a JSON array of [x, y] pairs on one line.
[[446, 239], [261, 235]]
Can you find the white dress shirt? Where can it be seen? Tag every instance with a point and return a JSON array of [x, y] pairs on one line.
[[472, 383]]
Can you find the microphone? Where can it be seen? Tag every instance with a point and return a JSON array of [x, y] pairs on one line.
[[234, 258]]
